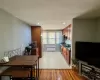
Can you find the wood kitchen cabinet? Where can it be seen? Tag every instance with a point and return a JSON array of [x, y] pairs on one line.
[[66, 53], [36, 36], [65, 50], [67, 31]]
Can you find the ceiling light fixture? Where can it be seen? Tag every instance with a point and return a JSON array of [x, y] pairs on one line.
[[38, 23], [64, 23]]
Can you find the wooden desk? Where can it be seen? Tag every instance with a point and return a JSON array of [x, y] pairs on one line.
[[25, 61], [17, 72]]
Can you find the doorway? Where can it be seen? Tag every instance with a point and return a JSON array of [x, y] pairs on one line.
[[52, 57], [51, 41]]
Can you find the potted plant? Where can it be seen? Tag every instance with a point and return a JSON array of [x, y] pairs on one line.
[[75, 64]]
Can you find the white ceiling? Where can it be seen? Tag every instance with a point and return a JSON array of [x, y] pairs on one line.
[[49, 13]]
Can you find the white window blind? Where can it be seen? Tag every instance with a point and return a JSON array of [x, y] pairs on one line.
[[52, 37]]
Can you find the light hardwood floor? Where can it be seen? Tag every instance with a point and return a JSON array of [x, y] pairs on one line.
[[66, 74]]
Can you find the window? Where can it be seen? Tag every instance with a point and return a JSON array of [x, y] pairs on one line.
[[52, 37], [44, 41], [58, 37], [44, 36]]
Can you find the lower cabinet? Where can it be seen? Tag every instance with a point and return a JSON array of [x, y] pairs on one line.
[[66, 53]]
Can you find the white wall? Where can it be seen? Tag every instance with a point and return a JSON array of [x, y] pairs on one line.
[[98, 30], [13, 33], [83, 30]]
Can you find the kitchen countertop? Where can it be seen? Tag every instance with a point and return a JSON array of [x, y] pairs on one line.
[[65, 45]]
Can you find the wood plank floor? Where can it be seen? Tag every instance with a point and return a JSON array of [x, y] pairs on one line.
[[59, 75]]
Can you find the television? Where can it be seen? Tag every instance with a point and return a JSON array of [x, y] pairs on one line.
[[88, 52]]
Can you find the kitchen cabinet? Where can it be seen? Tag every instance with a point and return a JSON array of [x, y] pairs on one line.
[[67, 31], [66, 53], [36, 36]]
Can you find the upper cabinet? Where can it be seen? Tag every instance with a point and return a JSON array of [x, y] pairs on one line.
[[67, 31]]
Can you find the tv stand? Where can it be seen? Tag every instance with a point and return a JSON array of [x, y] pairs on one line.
[[89, 71]]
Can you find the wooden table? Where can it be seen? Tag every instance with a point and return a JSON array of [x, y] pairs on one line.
[[25, 61]]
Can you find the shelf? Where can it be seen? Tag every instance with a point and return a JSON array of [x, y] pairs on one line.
[[90, 72]]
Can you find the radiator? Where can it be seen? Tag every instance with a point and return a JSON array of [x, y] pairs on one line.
[[51, 49]]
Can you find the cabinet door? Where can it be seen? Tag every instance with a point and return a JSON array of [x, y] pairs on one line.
[[67, 57], [64, 52], [36, 36], [62, 49]]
